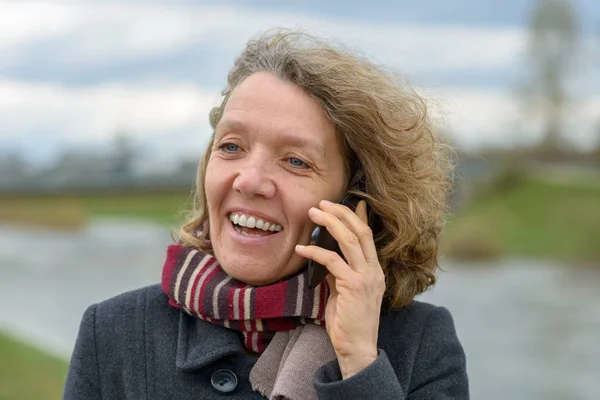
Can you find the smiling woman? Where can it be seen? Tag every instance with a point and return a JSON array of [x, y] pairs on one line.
[[302, 125], [265, 167]]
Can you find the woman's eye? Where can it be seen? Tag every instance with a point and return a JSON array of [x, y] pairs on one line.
[[229, 147], [296, 162]]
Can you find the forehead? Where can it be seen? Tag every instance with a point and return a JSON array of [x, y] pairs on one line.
[[264, 105]]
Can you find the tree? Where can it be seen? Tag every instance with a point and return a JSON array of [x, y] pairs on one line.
[[596, 151], [552, 48], [123, 157]]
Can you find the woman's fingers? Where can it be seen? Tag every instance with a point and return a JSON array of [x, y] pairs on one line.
[[357, 223], [330, 259], [346, 239]]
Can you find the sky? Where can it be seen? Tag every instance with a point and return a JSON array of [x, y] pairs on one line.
[[76, 74]]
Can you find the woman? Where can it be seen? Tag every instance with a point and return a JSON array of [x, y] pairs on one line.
[[301, 125]]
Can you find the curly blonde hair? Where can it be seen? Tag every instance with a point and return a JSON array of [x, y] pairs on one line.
[[404, 167]]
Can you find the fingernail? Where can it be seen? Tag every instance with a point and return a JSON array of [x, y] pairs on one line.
[[299, 247], [326, 203], [315, 209]]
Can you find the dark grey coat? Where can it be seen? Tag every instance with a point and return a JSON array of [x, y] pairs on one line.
[[136, 346]]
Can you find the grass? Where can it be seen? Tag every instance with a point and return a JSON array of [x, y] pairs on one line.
[[56, 212], [537, 218], [28, 374], [75, 210], [161, 207]]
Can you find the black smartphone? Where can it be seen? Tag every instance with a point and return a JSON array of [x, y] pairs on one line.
[[322, 238]]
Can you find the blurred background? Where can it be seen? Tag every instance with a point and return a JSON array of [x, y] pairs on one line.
[[103, 118]]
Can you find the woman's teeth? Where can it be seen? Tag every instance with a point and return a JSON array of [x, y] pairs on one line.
[[250, 221]]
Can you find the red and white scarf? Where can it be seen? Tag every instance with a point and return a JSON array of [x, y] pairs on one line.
[[195, 282]]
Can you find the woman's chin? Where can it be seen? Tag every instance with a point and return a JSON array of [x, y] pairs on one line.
[[246, 275], [256, 265], [258, 275]]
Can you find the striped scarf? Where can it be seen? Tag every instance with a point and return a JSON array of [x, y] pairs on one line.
[[195, 282]]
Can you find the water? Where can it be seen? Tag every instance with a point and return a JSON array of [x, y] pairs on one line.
[[530, 329]]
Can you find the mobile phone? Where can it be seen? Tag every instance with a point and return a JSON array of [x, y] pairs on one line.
[[322, 238]]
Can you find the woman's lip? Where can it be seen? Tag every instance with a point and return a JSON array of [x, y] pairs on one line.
[[249, 239]]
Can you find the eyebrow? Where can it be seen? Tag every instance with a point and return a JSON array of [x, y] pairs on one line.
[[287, 138], [230, 124]]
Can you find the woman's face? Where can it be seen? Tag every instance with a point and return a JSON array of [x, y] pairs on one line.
[[275, 155]]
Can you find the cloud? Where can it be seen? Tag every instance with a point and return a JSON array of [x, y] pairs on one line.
[[91, 33], [23, 23], [97, 34], [476, 118], [97, 113]]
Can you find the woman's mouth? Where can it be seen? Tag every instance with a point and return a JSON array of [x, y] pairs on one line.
[[249, 225]]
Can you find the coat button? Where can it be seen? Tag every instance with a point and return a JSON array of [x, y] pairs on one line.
[[224, 380]]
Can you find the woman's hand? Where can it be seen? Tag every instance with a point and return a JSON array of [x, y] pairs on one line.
[[356, 286]]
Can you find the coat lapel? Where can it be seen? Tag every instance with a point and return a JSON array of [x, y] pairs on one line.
[[200, 343]]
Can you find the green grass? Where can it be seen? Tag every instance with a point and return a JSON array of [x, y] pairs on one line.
[[28, 374], [540, 219], [75, 210], [161, 207]]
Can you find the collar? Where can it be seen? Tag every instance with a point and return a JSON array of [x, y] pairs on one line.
[[200, 343]]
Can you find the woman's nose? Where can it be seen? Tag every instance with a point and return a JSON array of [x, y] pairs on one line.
[[254, 178]]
